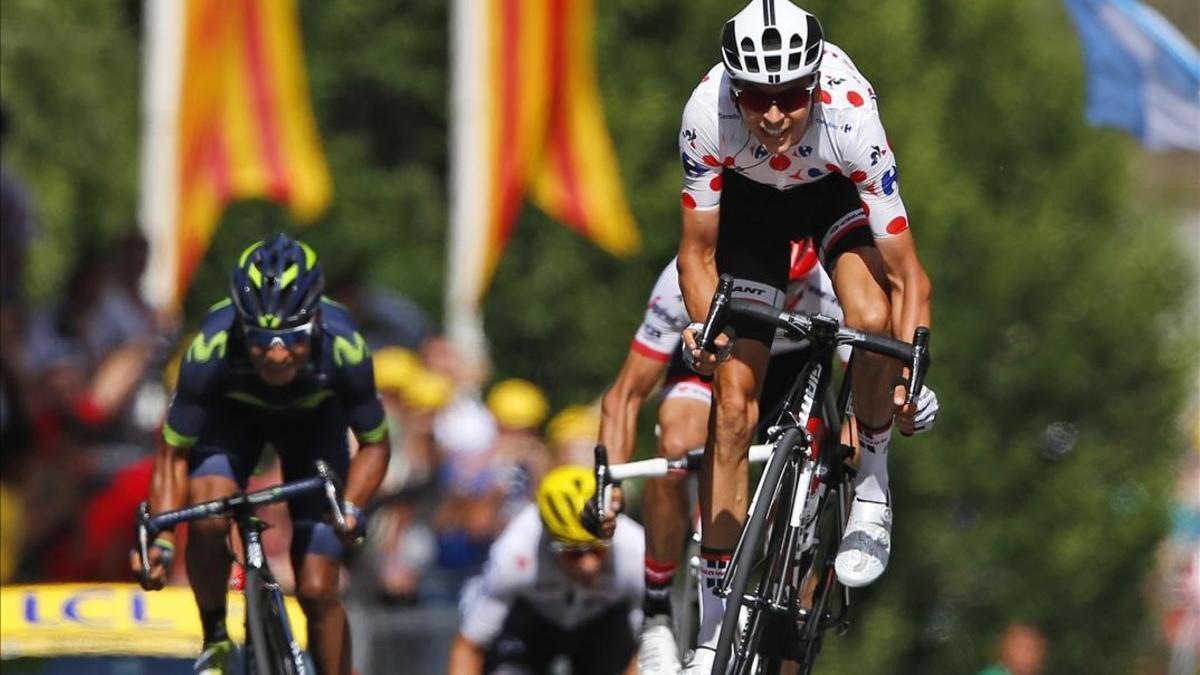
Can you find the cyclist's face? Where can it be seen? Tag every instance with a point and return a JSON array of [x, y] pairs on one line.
[[276, 364], [777, 115], [583, 565]]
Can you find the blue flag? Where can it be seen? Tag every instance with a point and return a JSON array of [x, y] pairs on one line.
[[1142, 75]]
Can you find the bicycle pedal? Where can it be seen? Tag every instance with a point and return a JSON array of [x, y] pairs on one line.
[[842, 628]]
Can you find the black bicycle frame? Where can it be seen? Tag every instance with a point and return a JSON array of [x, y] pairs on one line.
[[241, 507], [800, 434]]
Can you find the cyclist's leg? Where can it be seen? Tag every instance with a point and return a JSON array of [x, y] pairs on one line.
[[754, 246], [863, 291], [683, 425], [218, 465], [316, 550]]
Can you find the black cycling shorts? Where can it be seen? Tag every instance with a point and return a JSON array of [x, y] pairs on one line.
[[528, 643], [758, 223], [234, 437]]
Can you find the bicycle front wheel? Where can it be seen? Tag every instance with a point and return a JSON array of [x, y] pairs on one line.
[[267, 634], [748, 550]]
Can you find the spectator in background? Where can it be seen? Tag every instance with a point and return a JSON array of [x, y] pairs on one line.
[[401, 545], [572, 434], [121, 316], [17, 228], [386, 318], [1021, 650], [412, 396], [520, 455]]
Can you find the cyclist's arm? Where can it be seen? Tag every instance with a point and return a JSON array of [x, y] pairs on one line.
[[186, 416], [620, 405], [169, 478], [911, 289], [871, 163], [367, 470], [698, 260], [369, 423], [466, 657]]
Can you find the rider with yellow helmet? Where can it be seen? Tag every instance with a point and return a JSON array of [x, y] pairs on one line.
[[551, 588]]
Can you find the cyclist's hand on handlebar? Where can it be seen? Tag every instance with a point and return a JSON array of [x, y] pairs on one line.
[[919, 416], [161, 553], [356, 525], [697, 359], [605, 524]]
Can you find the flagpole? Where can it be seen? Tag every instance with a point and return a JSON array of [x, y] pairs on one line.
[[162, 61], [468, 200]]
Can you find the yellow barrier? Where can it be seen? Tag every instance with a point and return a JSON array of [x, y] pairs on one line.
[[66, 619]]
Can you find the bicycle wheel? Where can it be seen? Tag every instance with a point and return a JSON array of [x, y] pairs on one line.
[[769, 623], [824, 582], [748, 548], [266, 632]]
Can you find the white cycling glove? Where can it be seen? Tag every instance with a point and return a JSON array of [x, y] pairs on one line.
[[696, 328], [927, 410]]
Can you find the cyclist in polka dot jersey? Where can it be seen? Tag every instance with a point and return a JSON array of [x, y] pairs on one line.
[[783, 140], [845, 137]]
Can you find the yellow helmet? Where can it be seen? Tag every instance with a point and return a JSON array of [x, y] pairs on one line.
[[561, 498], [426, 390], [574, 423], [393, 367], [517, 403]]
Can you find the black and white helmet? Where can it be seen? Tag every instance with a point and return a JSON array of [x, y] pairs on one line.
[[772, 42]]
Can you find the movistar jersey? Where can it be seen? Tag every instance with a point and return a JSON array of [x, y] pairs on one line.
[[216, 372]]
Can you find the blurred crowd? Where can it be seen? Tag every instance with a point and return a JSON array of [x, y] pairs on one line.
[[87, 378]]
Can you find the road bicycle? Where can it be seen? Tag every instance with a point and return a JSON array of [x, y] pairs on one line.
[[271, 646], [801, 504], [686, 607], [660, 467]]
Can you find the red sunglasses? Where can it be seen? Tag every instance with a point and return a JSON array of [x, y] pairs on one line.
[[788, 100]]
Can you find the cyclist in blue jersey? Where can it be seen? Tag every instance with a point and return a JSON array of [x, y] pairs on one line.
[[275, 363]]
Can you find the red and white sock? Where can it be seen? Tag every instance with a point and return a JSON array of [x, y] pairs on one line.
[[871, 484], [659, 577], [713, 563]]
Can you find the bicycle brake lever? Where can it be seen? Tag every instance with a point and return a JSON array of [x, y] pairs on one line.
[[143, 536], [921, 361], [331, 490]]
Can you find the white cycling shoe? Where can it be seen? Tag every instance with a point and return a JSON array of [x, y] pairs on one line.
[[867, 544], [701, 661], [657, 652]]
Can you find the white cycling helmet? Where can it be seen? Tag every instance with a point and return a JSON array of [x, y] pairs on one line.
[[772, 42]]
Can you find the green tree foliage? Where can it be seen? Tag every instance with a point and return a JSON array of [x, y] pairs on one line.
[[1059, 293]]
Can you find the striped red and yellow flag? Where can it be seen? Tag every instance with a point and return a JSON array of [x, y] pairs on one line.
[[546, 135], [245, 123]]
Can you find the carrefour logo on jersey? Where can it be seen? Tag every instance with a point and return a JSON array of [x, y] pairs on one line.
[[890, 179], [760, 151], [691, 167]]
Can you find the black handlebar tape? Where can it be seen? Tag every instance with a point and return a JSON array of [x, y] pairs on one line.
[[901, 351], [921, 360], [716, 313], [757, 310]]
